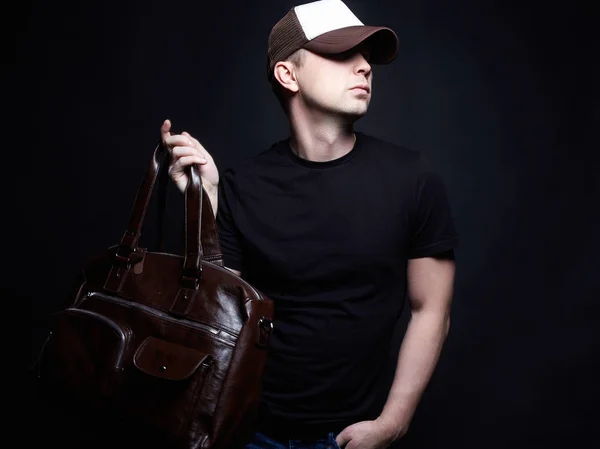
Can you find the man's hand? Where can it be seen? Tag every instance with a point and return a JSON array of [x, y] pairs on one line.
[[185, 151], [367, 435]]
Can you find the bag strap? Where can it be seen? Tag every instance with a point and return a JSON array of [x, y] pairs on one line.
[[201, 236], [163, 181]]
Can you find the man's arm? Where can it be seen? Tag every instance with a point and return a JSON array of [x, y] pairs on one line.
[[213, 197], [430, 290], [185, 151]]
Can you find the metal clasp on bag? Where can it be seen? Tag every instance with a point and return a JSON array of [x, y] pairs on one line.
[[265, 328], [122, 257], [126, 257], [190, 279]]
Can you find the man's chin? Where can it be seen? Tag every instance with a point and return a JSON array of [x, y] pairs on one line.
[[354, 115], [348, 115]]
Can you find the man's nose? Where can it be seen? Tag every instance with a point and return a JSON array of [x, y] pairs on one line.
[[362, 65]]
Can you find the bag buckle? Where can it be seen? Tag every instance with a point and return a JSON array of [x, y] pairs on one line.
[[125, 257], [122, 260]]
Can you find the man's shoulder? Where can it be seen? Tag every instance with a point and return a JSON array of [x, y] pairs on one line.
[[257, 160], [387, 150]]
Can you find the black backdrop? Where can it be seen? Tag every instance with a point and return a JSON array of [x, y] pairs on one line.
[[499, 94]]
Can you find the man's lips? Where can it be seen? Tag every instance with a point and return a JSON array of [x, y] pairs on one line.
[[364, 87]]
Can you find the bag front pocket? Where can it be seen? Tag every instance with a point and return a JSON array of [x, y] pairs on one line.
[[164, 389], [84, 357]]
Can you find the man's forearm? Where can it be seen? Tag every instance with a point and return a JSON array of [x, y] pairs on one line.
[[417, 359], [213, 196]]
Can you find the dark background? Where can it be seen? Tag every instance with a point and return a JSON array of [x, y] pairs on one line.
[[501, 95]]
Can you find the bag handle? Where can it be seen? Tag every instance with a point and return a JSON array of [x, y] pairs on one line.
[[201, 235]]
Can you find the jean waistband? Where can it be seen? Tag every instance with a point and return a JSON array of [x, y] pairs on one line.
[[264, 440], [282, 429]]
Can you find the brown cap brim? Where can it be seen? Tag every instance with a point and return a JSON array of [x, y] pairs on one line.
[[382, 41]]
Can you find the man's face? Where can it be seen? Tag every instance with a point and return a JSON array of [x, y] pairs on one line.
[[336, 84]]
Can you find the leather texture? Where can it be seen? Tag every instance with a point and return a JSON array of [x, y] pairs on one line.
[[173, 343]]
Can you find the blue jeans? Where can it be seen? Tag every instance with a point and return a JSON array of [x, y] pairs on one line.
[[261, 441]]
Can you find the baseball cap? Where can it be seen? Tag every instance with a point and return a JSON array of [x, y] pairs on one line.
[[327, 27]]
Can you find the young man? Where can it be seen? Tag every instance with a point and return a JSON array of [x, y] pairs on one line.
[[337, 227]]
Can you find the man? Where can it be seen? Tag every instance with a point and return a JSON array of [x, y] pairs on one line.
[[337, 227]]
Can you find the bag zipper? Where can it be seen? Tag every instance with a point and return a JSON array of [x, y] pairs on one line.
[[222, 335]]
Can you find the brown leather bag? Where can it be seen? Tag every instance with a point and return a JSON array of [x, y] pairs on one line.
[[173, 346]]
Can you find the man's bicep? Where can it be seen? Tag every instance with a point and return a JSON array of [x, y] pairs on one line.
[[430, 283], [230, 237], [432, 224]]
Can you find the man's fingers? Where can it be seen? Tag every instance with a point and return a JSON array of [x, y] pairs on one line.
[[179, 152], [165, 130], [182, 140], [172, 140], [193, 140], [179, 140], [197, 144], [342, 439], [186, 161]]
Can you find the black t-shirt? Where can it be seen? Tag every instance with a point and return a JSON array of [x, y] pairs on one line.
[[329, 243]]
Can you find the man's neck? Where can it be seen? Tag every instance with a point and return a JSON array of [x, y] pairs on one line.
[[321, 141]]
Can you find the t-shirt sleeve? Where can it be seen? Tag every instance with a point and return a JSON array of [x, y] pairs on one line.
[[229, 235], [433, 230]]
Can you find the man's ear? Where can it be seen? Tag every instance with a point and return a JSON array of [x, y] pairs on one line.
[[284, 72]]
